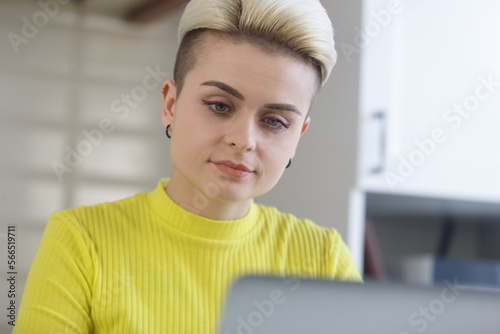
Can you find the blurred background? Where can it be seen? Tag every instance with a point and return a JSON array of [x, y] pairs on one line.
[[402, 155]]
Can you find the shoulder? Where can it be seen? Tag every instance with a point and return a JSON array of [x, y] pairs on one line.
[[289, 222], [122, 206], [315, 250], [91, 218], [299, 234]]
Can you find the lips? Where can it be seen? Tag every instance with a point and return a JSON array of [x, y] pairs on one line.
[[233, 165], [233, 169]]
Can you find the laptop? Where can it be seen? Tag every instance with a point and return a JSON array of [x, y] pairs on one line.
[[275, 305]]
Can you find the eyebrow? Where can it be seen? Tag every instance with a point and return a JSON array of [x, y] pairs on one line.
[[282, 106], [238, 95], [225, 88]]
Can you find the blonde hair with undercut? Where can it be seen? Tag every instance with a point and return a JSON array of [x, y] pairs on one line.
[[298, 27]]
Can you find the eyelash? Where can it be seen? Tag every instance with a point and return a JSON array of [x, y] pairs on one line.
[[210, 104]]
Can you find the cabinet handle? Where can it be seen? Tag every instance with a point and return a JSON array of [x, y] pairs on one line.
[[381, 119]]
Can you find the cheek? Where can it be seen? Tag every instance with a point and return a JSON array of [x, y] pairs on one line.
[[193, 134], [194, 117], [275, 157]]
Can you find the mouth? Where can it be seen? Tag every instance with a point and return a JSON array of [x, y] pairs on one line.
[[233, 169]]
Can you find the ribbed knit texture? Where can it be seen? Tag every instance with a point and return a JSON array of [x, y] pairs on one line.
[[145, 265]]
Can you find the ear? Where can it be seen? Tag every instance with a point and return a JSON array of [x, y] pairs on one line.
[[306, 125], [169, 102]]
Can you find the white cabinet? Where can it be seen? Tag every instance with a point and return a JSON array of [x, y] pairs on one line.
[[433, 69]]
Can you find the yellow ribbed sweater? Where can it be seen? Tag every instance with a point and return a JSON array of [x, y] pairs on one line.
[[145, 265]]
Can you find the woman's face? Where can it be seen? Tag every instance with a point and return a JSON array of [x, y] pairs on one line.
[[237, 121]]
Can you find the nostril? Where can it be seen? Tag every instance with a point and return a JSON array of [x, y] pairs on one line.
[[241, 137]]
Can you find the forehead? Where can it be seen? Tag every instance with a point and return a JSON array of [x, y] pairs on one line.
[[210, 37], [247, 63]]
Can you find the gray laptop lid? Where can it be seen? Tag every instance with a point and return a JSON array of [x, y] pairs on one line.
[[293, 305]]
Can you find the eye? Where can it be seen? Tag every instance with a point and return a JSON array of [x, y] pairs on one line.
[[217, 107], [273, 122], [276, 124]]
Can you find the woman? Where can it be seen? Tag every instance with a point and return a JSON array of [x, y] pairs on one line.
[[246, 76]]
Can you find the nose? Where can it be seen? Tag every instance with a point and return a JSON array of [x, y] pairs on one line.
[[241, 134]]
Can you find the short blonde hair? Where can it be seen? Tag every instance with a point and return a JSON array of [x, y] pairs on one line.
[[301, 27]]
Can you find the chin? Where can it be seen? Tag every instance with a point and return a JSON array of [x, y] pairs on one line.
[[234, 195]]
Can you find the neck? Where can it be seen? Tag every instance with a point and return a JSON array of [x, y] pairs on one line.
[[196, 201]]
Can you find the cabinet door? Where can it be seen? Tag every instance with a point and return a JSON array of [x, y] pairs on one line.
[[433, 73]]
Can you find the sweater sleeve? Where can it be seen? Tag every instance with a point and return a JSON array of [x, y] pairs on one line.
[[58, 291], [342, 265]]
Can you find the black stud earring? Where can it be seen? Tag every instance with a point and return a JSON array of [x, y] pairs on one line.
[[289, 163], [166, 131]]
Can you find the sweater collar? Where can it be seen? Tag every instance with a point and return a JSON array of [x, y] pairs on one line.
[[190, 223]]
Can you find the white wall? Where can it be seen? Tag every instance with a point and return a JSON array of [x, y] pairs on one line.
[[55, 84]]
